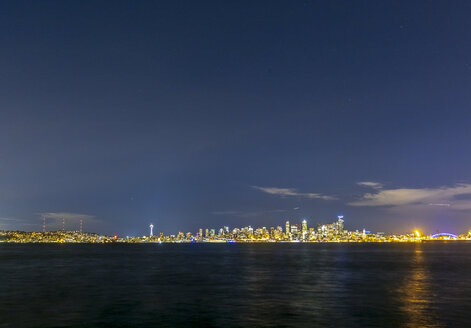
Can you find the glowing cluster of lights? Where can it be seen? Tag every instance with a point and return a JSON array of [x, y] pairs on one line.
[[444, 234]]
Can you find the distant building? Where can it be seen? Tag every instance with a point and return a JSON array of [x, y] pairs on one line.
[[340, 222], [304, 229]]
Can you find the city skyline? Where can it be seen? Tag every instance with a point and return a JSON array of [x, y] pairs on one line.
[[299, 224], [334, 232], [222, 113]]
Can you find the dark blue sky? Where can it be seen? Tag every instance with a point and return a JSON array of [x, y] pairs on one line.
[[194, 114]]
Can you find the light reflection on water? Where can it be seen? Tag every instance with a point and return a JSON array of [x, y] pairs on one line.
[[289, 285], [417, 294]]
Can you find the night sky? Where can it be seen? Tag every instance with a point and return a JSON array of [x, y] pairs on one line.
[[192, 114]]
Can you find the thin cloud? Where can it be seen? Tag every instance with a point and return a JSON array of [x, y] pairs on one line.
[[67, 216], [291, 192], [8, 219], [72, 220], [446, 196], [15, 224], [370, 184]]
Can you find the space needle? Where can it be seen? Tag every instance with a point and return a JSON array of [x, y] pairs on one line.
[[151, 227]]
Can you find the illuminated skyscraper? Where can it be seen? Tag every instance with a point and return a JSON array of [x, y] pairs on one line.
[[304, 229], [151, 228], [287, 228], [340, 224]]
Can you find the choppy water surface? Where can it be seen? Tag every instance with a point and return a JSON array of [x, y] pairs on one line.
[[233, 285]]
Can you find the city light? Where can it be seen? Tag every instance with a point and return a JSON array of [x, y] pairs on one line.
[[291, 232]]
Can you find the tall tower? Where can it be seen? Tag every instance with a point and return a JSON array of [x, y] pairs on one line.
[[287, 227], [304, 229], [340, 224], [63, 224], [81, 226], [44, 224], [151, 228]]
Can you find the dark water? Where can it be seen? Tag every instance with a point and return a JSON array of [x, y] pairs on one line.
[[236, 285]]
